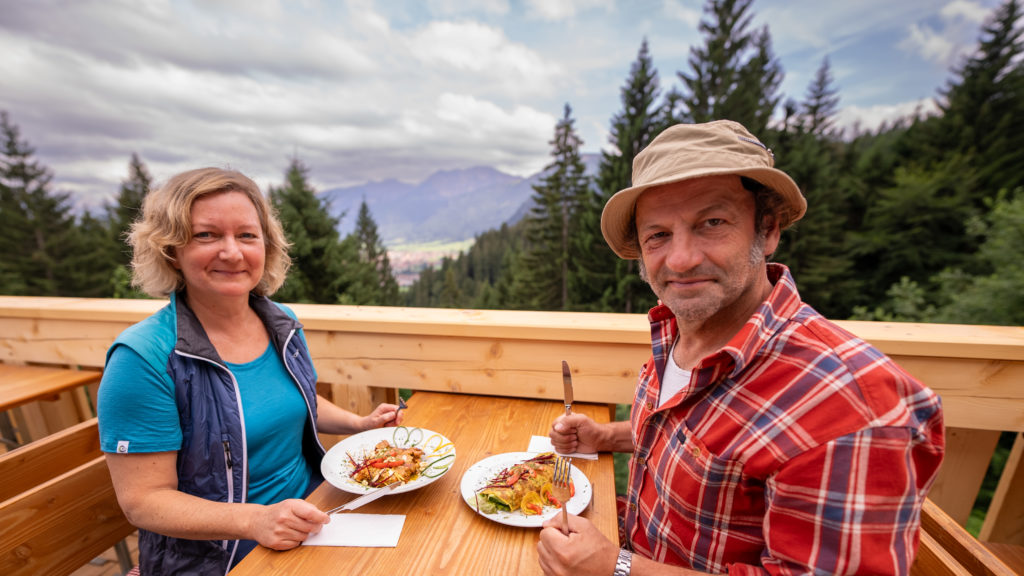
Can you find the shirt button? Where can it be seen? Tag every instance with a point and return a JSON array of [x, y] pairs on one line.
[[649, 405], [696, 452], [640, 461], [632, 507]]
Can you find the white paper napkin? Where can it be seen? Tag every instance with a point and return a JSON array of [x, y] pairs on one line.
[[543, 444], [362, 530]]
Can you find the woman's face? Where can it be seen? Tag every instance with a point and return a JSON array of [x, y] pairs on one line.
[[226, 254]]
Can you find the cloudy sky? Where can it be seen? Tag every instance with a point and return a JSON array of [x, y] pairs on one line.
[[362, 90]]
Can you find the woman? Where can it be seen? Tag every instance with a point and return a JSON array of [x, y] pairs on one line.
[[208, 409]]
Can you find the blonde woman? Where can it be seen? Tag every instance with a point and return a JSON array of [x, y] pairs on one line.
[[208, 409]]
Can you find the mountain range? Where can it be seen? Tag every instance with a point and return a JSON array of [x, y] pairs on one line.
[[449, 206]]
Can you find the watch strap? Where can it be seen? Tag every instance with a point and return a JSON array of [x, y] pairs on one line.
[[623, 563]]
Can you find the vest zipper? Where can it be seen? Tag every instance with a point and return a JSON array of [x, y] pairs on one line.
[[228, 476]]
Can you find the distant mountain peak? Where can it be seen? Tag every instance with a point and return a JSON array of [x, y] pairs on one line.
[[448, 206]]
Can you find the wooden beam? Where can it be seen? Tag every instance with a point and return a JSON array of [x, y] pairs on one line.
[[968, 453], [1005, 520], [951, 550]]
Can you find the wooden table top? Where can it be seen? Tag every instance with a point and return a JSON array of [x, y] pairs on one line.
[[23, 384], [442, 534]]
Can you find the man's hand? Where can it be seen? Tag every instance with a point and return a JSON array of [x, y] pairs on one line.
[[584, 551], [578, 433], [575, 433], [287, 524]]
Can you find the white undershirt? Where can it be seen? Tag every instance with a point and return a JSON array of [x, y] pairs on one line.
[[676, 379]]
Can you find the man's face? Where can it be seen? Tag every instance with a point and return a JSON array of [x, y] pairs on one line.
[[700, 253]]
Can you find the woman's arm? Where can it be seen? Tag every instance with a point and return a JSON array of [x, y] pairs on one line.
[[147, 490]]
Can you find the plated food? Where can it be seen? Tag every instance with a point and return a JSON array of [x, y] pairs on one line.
[[512, 488], [412, 457], [525, 486], [387, 465]]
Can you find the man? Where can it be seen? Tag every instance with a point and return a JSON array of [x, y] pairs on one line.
[[764, 438]]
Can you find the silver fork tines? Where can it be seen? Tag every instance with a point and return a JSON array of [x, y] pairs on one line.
[[563, 467]]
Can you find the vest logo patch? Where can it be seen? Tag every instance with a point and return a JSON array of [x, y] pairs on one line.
[[122, 446]]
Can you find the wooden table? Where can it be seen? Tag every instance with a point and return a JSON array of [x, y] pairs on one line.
[[23, 384], [20, 385], [442, 535]]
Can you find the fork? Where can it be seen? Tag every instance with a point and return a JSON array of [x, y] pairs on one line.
[[560, 483]]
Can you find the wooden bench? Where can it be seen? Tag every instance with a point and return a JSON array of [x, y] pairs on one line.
[[58, 509], [947, 549]]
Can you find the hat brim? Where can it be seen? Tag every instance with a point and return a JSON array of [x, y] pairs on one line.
[[617, 218]]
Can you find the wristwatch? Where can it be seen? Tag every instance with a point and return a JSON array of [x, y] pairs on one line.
[[623, 564]]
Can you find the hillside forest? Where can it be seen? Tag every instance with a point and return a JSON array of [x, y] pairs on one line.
[[919, 220]]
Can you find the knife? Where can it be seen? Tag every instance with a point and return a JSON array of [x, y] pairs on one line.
[[567, 384], [365, 498]]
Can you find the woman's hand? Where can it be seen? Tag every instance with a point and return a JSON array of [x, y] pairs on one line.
[[332, 419], [382, 416], [147, 490], [287, 524]]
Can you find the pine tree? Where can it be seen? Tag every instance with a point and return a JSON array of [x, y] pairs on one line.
[[983, 109], [603, 281], [370, 280], [316, 252], [734, 75], [451, 295], [553, 220], [419, 293], [94, 253], [822, 103], [810, 152], [38, 232], [128, 206]]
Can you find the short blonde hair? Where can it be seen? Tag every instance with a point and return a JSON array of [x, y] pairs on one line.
[[166, 224]]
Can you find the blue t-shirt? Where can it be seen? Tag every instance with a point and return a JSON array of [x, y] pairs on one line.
[[139, 414]]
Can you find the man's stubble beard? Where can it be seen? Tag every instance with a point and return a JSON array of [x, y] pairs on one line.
[[697, 311]]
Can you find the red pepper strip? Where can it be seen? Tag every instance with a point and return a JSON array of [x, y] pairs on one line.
[[515, 478], [386, 464]]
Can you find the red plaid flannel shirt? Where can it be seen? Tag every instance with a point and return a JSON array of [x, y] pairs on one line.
[[796, 449]]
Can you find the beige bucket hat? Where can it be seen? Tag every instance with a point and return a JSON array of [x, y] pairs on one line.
[[688, 151]]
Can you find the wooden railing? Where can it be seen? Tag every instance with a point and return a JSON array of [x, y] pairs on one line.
[[362, 353]]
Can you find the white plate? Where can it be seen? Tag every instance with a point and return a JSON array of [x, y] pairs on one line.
[[337, 468], [479, 474]]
